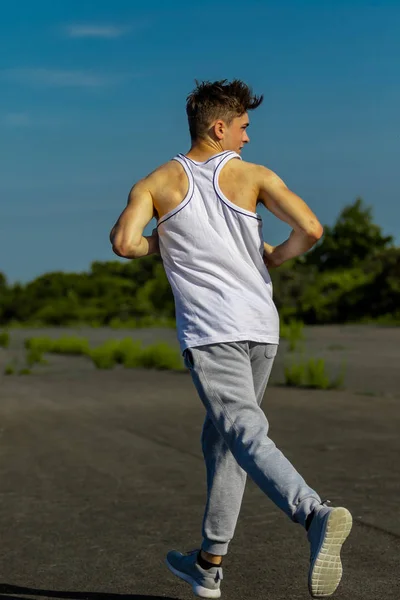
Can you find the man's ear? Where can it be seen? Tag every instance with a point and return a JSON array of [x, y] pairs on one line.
[[219, 129]]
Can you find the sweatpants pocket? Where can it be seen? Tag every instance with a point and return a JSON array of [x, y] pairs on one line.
[[271, 350]]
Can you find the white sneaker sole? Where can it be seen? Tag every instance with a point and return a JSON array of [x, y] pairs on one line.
[[326, 570], [198, 590]]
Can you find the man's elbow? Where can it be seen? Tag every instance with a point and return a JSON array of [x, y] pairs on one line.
[[121, 245], [124, 251], [112, 235], [315, 232], [117, 251]]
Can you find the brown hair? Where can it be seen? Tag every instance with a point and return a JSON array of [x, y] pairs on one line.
[[220, 99]]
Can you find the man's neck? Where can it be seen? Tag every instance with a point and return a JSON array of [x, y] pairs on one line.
[[204, 149]]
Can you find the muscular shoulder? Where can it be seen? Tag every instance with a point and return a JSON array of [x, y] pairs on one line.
[[163, 178], [168, 171], [257, 171], [264, 178], [248, 173]]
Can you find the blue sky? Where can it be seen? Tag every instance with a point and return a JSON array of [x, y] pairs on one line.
[[93, 98]]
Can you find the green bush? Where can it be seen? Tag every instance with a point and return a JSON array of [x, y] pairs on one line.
[[316, 375], [4, 339], [39, 344], [70, 345], [312, 374], [293, 331], [110, 353], [34, 356], [161, 356], [295, 375], [131, 355], [25, 371], [103, 357], [9, 369]]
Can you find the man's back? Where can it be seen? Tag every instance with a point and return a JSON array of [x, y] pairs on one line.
[[210, 240], [238, 181]]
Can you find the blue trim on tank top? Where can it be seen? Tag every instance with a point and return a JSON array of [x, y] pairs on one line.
[[191, 183], [257, 218], [198, 164], [178, 211], [185, 159]]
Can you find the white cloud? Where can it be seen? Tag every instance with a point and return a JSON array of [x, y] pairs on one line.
[[62, 78], [96, 31]]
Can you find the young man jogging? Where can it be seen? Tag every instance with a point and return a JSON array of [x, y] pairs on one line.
[[209, 236]]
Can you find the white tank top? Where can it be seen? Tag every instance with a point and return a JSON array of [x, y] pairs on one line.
[[212, 254]]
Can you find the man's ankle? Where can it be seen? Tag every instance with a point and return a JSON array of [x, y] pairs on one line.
[[211, 558]]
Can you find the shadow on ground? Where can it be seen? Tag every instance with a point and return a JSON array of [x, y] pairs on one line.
[[6, 589]]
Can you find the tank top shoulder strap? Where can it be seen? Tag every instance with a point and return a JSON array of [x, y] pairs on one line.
[[221, 163], [226, 157], [212, 163], [188, 170], [181, 158]]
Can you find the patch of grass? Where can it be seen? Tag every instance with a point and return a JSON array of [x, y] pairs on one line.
[[312, 374], [295, 375], [35, 357], [10, 368], [103, 359], [316, 375], [39, 344], [4, 339], [131, 355], [161, 356], [70, 345], [127, 352], [106, 356], [293, 331], [25, 371]]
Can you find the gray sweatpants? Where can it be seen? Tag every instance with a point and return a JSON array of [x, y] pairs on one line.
[[231, 379]]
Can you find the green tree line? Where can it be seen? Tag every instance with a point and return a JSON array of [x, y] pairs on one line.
[[351, 275]]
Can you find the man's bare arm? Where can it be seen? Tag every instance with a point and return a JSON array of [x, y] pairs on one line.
[[290, 208], [126, 236]]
